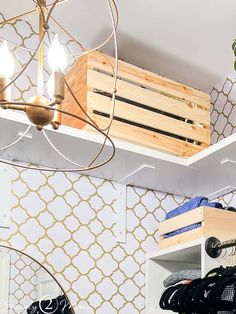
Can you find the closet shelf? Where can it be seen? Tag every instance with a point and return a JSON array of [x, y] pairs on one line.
[[189, 253], [161, 264], [209, 172]]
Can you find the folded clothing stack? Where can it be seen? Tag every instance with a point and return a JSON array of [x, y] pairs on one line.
[[192, 204], [183, 275]]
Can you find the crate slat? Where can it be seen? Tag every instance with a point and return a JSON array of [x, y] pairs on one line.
[[148, 118], [148, 138], [153, 111], [128, 71], [146, 97], [182, 238], [213, 222], [178, 222]]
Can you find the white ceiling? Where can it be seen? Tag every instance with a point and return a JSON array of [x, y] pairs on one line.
[[185, 40]]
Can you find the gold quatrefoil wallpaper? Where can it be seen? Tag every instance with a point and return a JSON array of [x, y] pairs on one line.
[[23, 282], [223, 115], [67, 223]]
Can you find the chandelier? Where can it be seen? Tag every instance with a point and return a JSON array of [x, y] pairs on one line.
[[44, 112]]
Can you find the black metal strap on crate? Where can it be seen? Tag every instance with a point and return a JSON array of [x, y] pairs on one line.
[[214, 247]]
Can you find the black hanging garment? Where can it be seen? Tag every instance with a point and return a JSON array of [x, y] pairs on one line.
[[214, 294], [59, 305]]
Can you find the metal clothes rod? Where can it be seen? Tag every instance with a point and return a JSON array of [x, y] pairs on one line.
[[214, 247]]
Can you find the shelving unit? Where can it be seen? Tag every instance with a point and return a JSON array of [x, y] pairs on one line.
[[159, 265], [132, 164]]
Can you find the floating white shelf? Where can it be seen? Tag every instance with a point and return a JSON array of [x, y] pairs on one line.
[[208, 172]]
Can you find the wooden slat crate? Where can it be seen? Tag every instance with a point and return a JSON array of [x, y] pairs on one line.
[[214, 222], [150, 110]]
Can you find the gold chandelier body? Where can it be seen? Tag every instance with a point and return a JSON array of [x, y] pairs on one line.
[[42, 111]]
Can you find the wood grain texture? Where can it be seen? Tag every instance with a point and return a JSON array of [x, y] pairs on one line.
[[152, 103], [77, 81], [178, 222], [148, 138], [181, 238], [147, 97], [148, 118], [214, 222], [97, 60]]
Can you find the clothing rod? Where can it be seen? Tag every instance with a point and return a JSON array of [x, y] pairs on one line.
[[226, 244], [214, 246]]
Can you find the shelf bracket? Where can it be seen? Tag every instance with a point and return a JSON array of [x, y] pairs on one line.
[[121, 212], [224, 191], [5, 195]]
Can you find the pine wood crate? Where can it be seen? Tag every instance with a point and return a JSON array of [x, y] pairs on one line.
[[214, 222], [150, 110]]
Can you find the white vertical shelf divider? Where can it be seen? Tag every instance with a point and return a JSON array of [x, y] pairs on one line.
[[161, 264]]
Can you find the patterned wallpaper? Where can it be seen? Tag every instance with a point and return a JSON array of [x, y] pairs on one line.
[[66, 221], [223, 116], [223, 119], [23, 283]]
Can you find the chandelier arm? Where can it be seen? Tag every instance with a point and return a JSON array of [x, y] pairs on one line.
[[15, 45], [68, 33], [18, 139], [115, 73], [51, 10], [94, 123], [114, 85], [114, 90], [58, 152], [34, 53], [73, 116], [17, 17], [59, 2], [41, 8], [26, 65], [76, 100], [55, 170], [76, 55], [105, 42], [105, 131], [78, 103]]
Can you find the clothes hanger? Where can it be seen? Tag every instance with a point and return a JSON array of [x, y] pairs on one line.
[[199, 300], [167, 296], [215, 300], [177, 301]]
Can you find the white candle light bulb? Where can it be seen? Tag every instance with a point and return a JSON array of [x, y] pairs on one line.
[[6, 61], [57, 56]]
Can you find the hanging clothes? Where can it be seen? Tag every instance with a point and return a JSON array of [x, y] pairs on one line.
[[59, 305], [215, 294]]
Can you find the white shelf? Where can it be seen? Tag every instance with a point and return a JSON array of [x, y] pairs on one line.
[[188, 252], [161, 264], [202, 174]]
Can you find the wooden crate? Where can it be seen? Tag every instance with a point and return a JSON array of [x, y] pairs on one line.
[[214, 222], [150, 110]]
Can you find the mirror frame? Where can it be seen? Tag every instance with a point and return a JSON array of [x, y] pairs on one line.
[[30, 257]]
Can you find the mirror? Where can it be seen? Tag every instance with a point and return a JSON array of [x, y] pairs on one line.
[[26, 287]]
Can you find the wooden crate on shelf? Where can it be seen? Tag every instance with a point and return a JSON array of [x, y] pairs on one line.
[[150, 110], [213, 222]]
